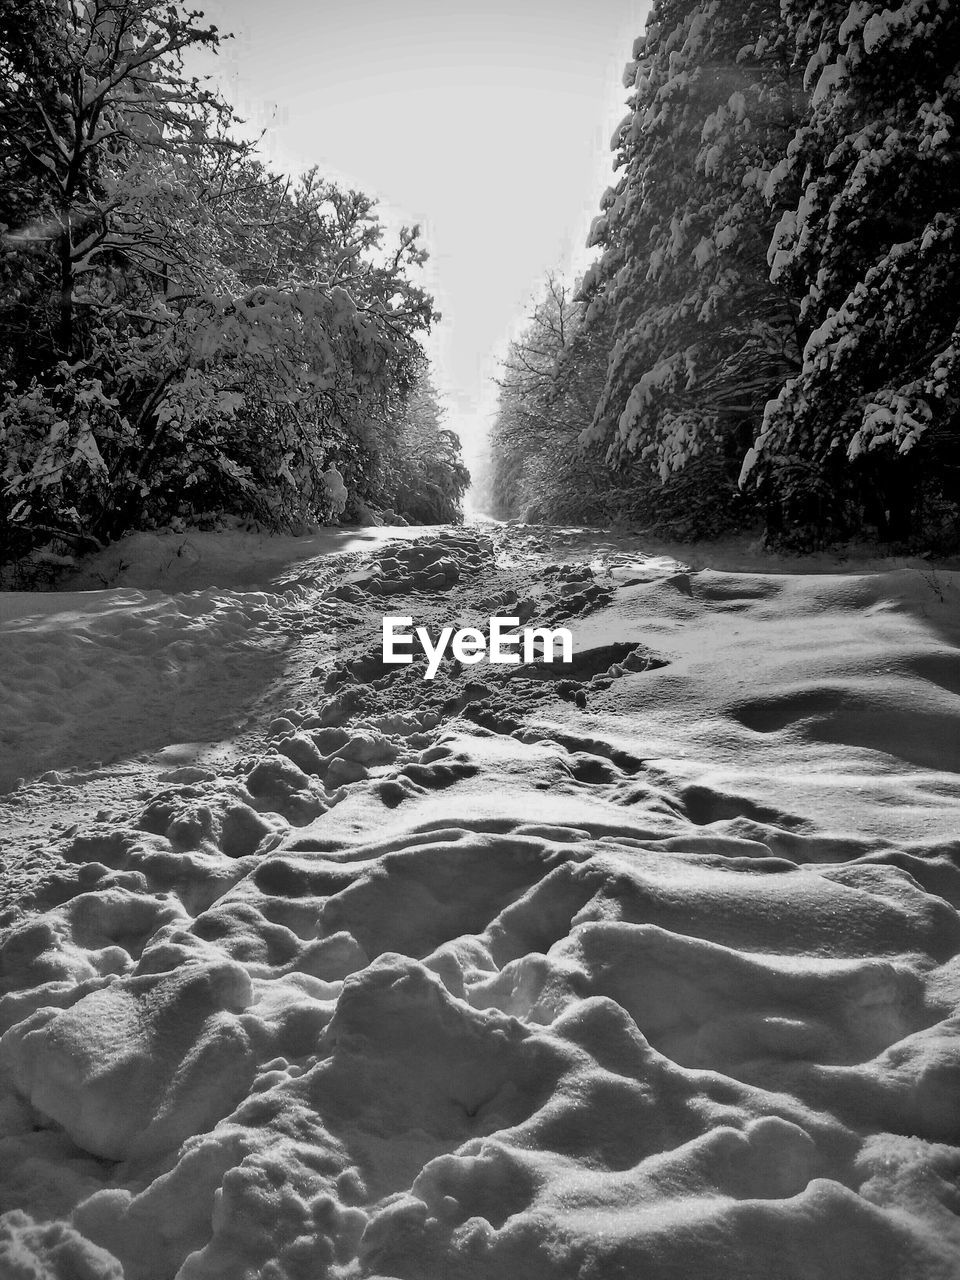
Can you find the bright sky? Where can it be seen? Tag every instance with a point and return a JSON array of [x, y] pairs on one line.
[[486, 121]]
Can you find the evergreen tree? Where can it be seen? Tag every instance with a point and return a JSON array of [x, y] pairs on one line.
[[701, 337], [868, 429]]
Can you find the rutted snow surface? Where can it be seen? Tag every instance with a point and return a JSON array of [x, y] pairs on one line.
[[643, 967]]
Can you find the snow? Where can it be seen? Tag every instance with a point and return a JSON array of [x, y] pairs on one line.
[[405, 980], [831, 76], [859, 11], [877, 29], [703, 252]]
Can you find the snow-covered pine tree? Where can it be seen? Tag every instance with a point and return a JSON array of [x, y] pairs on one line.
[[701, 336], [869, 429]]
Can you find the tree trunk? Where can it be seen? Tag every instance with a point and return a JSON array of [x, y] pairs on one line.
[[65, 325]]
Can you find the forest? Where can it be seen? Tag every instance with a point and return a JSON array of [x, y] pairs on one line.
[[184, 334], [769, 335]]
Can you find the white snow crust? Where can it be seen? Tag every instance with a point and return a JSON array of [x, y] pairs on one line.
[[405, 982]]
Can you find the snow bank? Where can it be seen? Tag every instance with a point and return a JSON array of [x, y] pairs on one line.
[[194, 560], [158, 639], [101, 675]]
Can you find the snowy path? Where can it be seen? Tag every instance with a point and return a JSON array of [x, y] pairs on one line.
[[333, 971]]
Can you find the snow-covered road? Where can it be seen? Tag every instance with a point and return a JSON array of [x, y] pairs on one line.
[[648, 964]]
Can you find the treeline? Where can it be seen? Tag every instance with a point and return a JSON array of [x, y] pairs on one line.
[[184, 333], [771, 330]]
